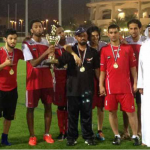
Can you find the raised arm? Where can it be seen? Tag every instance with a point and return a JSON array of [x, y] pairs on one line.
[[68, 48]]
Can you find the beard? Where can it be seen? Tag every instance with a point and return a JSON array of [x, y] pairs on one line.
[[83, 43], [38, 34], [12, 47]]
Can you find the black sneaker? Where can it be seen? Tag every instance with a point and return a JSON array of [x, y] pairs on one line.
[[90, 142], [61, 137], [71, 142], [65, 135], [116, 141], [136, 141]]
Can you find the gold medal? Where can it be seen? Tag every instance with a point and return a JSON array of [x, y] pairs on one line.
[[115, 65], [66, 66], [82, 69], [11, 72]]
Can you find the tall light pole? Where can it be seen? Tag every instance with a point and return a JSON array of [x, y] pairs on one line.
[[26, 18], [21, 23], [12, 23], [47, 25], [15, 16], [60, 12], [8, 16]]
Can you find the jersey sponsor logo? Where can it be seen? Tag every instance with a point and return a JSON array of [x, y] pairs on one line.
[[34, 49], [108, 57]]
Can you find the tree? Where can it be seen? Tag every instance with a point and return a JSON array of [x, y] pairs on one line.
[[122, 23]]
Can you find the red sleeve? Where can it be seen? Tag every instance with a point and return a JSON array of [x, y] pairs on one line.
[[1, 52], [20, 54], [132, 58], [102, 60]]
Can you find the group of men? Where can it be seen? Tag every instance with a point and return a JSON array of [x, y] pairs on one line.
[[88, 73]]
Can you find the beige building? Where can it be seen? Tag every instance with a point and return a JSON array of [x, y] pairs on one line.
[[102, 12]]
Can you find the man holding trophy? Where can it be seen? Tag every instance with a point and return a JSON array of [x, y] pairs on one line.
[[60, 77], [39, 83], [80, 87]]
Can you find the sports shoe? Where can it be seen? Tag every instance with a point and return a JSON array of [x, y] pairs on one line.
[[90, 142], [136, 141], [32, 141], [48, 138], [4, 140], [71, 142], [100, 136], [116, 141], [61, 136]]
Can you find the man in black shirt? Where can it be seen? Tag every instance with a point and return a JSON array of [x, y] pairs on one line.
[[80, 87]]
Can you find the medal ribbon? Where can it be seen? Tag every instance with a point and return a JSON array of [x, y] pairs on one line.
[[9, 55], [115, 57], [83, 55]]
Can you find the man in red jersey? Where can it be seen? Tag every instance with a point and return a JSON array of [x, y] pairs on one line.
[[9, 57], [117, 62], [135, 40], [60, 98], [39, 79]]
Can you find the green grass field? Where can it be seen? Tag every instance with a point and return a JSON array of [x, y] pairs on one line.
[[19, 134]]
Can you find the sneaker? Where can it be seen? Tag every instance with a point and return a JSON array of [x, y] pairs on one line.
[[61, 137], [48, 139], [4, 140], [6, 143], [32, 141], [136, 141], [71, 142], [90, 142], [100, 136], [65, 135], [116, 141]]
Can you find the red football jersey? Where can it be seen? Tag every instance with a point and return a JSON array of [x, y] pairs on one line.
[[7, 81], [136, 46], [60, 73], [117, 79], [40, 76]]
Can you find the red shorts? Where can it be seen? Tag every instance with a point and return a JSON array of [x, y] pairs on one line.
[[60, 98], [33, 96], [126, 102], [98, 102]]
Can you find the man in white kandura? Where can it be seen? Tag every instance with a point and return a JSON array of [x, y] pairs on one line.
[[144, 87]]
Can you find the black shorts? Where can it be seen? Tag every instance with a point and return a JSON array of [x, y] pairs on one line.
[[138, 97], [8, 102]]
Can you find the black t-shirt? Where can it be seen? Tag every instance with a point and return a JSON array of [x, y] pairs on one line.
[[80, 83]]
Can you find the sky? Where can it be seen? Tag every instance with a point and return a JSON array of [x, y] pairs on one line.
[[46, 9]]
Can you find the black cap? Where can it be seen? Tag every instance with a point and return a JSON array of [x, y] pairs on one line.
[[79, 31]]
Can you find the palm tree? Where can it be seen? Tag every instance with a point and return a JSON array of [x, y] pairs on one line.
[[119, 21], [122, 23]]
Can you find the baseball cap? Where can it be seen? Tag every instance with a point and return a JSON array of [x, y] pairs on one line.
[[79, 31]]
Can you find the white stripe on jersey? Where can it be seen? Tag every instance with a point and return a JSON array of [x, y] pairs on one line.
[[108, 83], [42, 42], [26, 98]]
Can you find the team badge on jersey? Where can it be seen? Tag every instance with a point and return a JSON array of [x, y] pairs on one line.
[[89, 60], [34, 49]]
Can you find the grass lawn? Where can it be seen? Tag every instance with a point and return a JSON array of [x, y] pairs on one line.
[[19, 134]]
